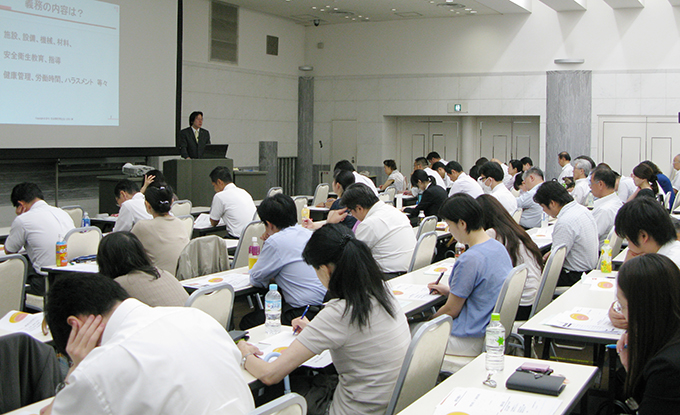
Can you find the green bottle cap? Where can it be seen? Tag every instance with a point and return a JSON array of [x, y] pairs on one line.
[[495, 317]]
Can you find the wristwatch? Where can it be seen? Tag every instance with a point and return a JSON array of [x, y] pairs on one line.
[[243, 360]]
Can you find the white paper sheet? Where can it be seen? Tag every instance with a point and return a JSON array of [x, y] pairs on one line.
[[412, 292], [470, 401], [281, 341], [603, 284], [438, 269], [203, 221], [587, 319], [17, 321], [239, 280]]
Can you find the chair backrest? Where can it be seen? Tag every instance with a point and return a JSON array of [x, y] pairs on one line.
[[384, 197], [188, 222], [615, 242], [289, 404], [510, 296], [391, 191], [517, 215], [202, 256], [300, 202], [82, 241], [422, 363], [76, 212], [429, 224], [181, 208], [13, 272], [667, 200], [254, 228], [676, 202], [551, 273], [216, 300], [321, 193], [424, 251], [274, 190]]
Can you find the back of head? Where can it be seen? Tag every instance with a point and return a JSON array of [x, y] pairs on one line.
[[644, 171], [583, 165], [344, 178], [343, 165], [356, 278], [654, 167], [159, 198], [127, 186], [452, 166], [493, 170], [438, 165], [552, 192], [462, 206], [533, 171], [359, 194], [518, 181], [605, 175], [432, 155], [516, 164], [221, 173], [279, 210], [121, 253], [481, 161], [193, 116], [422, 162], [564, 156], [420, 175], [588, 159], [526, 160], [25, 192], [391, 164], [644, 214], [158, 176], [79, 295]]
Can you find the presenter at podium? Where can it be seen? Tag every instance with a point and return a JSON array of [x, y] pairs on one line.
[[192, 140]]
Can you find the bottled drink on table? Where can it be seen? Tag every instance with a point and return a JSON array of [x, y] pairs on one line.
[[272, 310], [86, 220], [544, 220], [606, 257], [421, 217], [61, 251], [253, 252], [495, 344], [459, 249], [305, 212]]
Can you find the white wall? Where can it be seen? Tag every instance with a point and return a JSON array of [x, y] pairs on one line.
[[254, 100]]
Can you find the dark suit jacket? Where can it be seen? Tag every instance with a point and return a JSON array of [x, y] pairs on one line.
[[430, 202], [187, 143]]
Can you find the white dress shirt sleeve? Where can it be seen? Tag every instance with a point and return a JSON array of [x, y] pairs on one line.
[[80, 396], [125, 219], [17, 237]]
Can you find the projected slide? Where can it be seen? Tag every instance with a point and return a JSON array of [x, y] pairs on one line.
[[59, 62]]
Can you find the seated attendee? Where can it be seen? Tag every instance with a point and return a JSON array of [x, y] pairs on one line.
[[422, 164], [625, 187], [648, 290], [431, 199], [131, 203], [129, 358], [663, 181], [38, 227], [506, 175], [164, 237], [462, 183], [532, 212], [607, 203], [342, 180], [122, 258], [363, 327], [477, 276], [514, 168], [527, 163], [358, 178], [644, 178], [384, 228], [474, 170], [491, 179], [564, 159], [575, 228], [500, 226], [440, 168], [157, 178], [676, 173], [581, 189], [281, 260], [232, 204], [394, 177], [434, 157]]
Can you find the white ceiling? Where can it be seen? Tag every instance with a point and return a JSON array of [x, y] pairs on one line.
[[354, 11]]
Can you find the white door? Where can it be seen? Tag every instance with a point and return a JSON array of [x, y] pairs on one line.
[[507, 138], [420, 135], [343, 141], [445, 137]]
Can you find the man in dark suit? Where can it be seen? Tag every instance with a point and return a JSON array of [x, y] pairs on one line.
[[192, 140]]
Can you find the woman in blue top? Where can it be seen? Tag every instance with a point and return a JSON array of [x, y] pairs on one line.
[[662, 179], [476, 279]]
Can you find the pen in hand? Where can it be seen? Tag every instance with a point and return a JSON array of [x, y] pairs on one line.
[[438, 279], [301, 317]]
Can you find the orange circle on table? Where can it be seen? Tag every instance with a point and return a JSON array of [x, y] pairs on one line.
[[17, 317], [398, 292], [458, 413], [440, 269], [280, 349], [215, 280], [605, 284], [578, 316]]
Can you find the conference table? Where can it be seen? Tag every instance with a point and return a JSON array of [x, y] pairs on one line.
[[542, 236]]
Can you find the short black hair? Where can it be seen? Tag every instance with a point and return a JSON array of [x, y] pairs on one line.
[[159, 196], [344, 178], [481, 161], [552, 192], [462, 206], [158, 175], [491, 169], [564, 155], [526, 160], [422, 162], [433, 155], [359, 194], [605, 175], [127, 186], [452, 166], [420, 175], [344, 165], [279, 210], [516, 164], [221, 173], [534, 170], [390, 163], [25, 192], [437, 165], [79, 294], [644, 214], [193, 116]]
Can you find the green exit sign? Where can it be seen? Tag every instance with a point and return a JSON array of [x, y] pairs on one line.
[[457, 107]]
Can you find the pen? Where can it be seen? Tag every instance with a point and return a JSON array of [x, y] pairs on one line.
[[438, 279], [303, 316]]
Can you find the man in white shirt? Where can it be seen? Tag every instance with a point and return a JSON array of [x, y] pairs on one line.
[[232, 204], [507, 177], [38, 227], [527, 163], [564, 159], [607, 204], [421, 164], [581, 188], [462, 183], [385, 229], [532, 213], [491, 178], [575, 228], [440, 168], [131, 203], [433, 157], [129, 358], [358, 178], [625, 187]]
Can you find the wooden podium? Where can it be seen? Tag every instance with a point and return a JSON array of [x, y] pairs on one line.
[[191, 178]]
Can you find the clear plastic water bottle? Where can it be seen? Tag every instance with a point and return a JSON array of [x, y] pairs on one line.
[[253, 252], [459, 249], [606, 257], [495, 344], [272, 310], [421, 216], [86, 220], [544, 220]]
